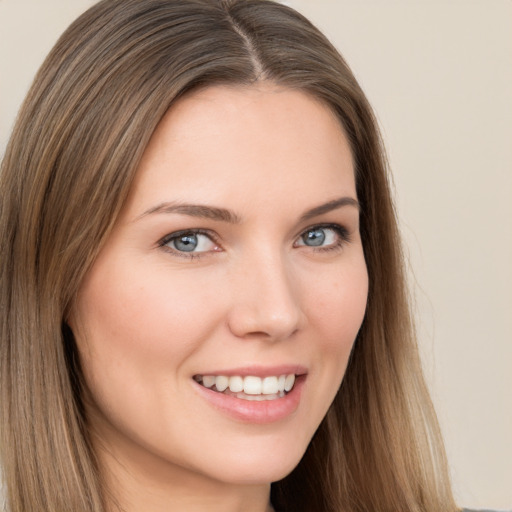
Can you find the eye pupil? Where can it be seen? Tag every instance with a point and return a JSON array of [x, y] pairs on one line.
[[314, 237], [186, 243]]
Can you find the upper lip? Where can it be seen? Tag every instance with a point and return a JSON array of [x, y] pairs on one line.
[[259, 370]]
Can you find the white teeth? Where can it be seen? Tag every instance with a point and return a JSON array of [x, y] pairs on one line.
[[289, 382], [221, 383], [236, 384], [258, 398], [208, 381], [250, 387], [269, 386]]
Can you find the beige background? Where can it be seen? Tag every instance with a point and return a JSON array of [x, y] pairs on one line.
[[439, 75]]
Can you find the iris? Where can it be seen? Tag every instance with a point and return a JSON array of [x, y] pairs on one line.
[[186, 243], [314, 237]]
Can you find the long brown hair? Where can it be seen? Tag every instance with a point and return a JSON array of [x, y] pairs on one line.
[[66, 173]]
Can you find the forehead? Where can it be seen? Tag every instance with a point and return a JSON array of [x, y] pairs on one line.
[[260, 142]]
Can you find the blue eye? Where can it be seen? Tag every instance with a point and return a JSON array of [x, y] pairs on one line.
[[323, 237], [186, 243], [189, 242], [314, 238]]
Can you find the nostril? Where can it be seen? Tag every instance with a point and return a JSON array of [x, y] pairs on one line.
[[257, 325]]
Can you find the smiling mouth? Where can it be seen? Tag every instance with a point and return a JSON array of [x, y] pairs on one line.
[[249, 387]]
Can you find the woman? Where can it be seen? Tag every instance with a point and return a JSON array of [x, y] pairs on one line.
[[202, 284]]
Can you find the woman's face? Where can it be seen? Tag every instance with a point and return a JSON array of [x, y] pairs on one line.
[[237, 261]]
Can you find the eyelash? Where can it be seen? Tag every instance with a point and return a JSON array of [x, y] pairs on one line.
[[342, 233]]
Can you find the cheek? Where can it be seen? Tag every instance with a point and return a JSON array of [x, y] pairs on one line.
[[337, 306], [335, 312], [142, 311], [135, 331]]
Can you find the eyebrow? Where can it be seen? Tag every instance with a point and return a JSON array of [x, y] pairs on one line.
[[224, 215], [329, 207], [195, 210]]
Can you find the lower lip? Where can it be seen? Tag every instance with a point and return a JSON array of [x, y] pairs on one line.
[[249, 411]]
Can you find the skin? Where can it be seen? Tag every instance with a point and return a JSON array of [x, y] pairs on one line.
[[149, 317]]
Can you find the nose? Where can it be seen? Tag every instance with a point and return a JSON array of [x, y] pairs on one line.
[[266, 301]]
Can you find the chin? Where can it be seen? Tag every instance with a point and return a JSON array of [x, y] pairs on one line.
[[262, 465]]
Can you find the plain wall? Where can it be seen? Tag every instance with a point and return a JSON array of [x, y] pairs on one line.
[[439, 75]]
